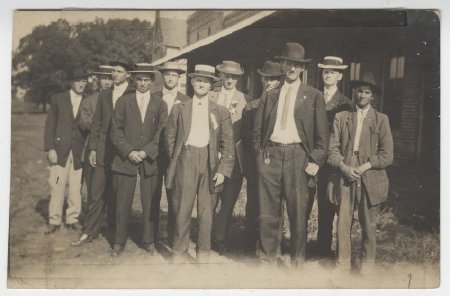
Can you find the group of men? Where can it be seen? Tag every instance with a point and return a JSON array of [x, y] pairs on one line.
[[292, 142]]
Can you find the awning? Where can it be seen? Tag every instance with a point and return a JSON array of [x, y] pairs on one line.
[[245, 23]]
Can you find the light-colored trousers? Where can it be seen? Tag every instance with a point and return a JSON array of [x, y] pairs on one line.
[[59, 178]]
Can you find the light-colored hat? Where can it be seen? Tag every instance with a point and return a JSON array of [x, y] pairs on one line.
[[104, 70], [230, 67], [331, 62], [204, 71], [143, 68], [173, 66]]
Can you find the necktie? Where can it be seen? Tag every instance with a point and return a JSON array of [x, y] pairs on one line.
[[142, 107], [327, 96], [286, 108]]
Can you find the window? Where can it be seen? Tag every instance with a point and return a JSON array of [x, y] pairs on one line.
[[397, 67], [354, 70], [393, 91]]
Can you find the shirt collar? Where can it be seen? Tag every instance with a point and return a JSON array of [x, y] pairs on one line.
[[121, 87], [364, 111], [226, 91], [74, 94], [295, 84], [167, 91], [331, 91], [147, 93], [196, 100]]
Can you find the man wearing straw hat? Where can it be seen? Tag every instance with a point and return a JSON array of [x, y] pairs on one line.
[[332, 68], [101, 155], [199, 140], [64, 140], [137, 122], [271, 74], [170, 71], [291, 137], [361, 148], [233, 100]]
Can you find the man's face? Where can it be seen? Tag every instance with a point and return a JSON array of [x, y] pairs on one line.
[[364, 96], [105, 81], [143, 82], [119, 75], [270, 82], [170, 79], [201, 85], [292, 70], [331, 76], [79, 85], [229, 81]]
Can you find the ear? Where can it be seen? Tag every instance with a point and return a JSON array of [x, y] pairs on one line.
[[339, 76]]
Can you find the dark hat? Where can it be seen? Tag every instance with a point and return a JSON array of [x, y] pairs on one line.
[[143, 68], [103, 70], [331, 62], [293, 52], [230, 67], [78, 73], [271, 69], [367, 79], [173, 66], [121, 62], [204, 71]]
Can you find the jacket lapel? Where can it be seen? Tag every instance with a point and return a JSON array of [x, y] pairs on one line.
[[273, 99], [212, 117], [299, 113], [186, 118], [351, 123], [151, 108], [68, 104]]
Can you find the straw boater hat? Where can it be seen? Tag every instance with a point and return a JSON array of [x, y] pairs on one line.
[[104, 70], [367, 79], [271, 69], [172, 66], [78, 73], [331, 62], [143, 68], [121, 62], [230, 67], [293, 52], [204, 71]]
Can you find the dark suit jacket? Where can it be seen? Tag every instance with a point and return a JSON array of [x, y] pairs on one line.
[[310, 119], [220, 140], [128, 133], [338, 103], [62, 131], [376, 146], [99, 139]]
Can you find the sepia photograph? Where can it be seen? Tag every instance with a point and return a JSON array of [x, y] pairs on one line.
[[225, 149]]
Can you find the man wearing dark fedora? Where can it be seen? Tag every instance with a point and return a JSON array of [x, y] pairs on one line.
[[332, 72], [64, 140], [138, 120], [101, 153], [271, 74], [87, 110], [170, 71], [199, 140], [361, 148], [291, 137], [235, 101]]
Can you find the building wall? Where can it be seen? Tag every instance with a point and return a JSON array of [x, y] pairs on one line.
[[202, 24]]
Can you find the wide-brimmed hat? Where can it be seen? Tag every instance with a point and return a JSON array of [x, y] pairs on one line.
[[204, 71], [122, 62], [78, 73], [172, 66], [331, 62], [271, 69], [143, 68], [293, 52], [103, 70], [367, 79], [230, 67]]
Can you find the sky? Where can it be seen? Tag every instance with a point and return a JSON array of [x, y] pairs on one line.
[[25, 21]]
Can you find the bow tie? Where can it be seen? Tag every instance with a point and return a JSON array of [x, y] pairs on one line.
[[169, 92]]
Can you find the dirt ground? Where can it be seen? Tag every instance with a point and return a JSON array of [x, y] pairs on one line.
[[408, 238]]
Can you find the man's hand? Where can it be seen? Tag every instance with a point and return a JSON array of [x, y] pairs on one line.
[[134, 157], [363, 168], [312, 169], [219, 178], [93, 158], [142, 155], [349, 172], [52, 156]]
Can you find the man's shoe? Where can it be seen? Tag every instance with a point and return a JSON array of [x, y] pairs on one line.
[[117, 250], [149, 247], [219, 247], [75, 226], [52, 228], [84, 239]]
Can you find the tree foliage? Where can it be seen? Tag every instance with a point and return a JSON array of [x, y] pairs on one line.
[[46, 57]]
